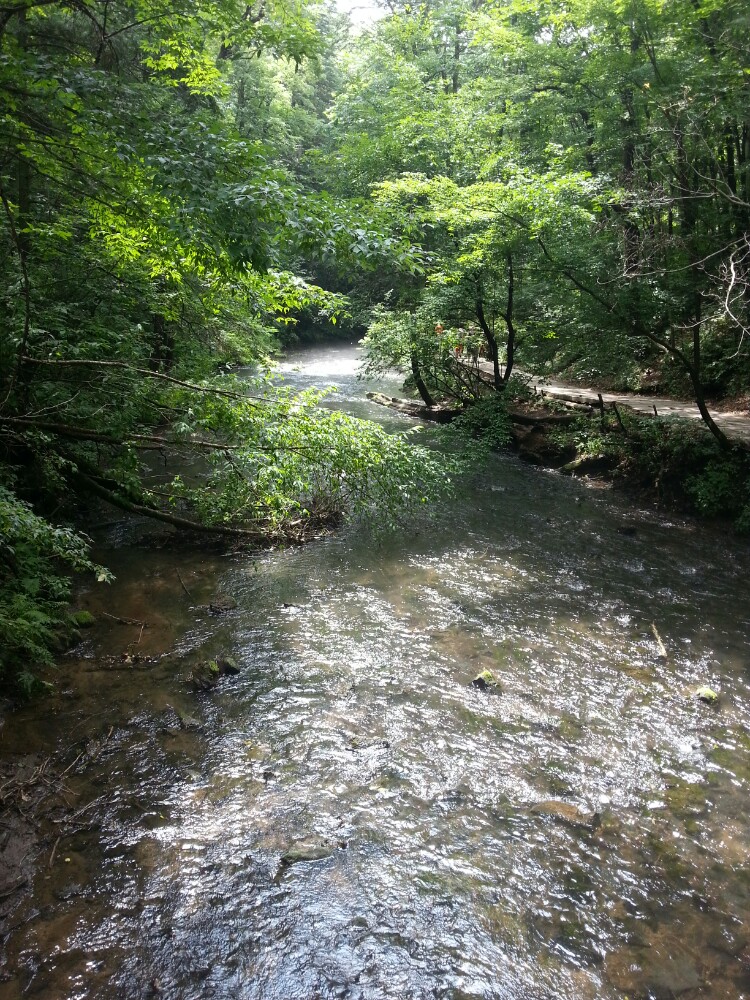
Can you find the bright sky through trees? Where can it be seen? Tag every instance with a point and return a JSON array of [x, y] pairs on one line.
[[362, 12]]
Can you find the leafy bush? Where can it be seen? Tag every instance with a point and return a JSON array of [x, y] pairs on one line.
[[287, 464], [718, 488], [677, 458], [486, 420], [36, 560]]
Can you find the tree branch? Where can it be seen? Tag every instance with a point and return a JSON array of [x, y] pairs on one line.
[[26, 299], [95, 487], [84, 434], [213, 390]]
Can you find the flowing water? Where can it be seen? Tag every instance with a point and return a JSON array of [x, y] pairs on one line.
[[349, 817]]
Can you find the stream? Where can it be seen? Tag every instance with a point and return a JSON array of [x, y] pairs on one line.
[[349, 817]]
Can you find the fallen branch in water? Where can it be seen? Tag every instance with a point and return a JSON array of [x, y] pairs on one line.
[[126, 621], [440, 413], [663, 654], [89, 483], [179, 577], [54, 851], [14, 886], [18, 788]]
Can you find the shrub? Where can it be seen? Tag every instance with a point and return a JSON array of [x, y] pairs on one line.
[[36, 562]]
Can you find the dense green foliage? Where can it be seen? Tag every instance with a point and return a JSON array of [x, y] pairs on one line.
[[158, 224], [674, 459], [578, 178], [33, 558], [567, 187]]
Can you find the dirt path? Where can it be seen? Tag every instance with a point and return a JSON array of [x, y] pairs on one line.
[[734, 425]]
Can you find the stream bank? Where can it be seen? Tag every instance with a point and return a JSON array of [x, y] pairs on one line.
[[670, 459]]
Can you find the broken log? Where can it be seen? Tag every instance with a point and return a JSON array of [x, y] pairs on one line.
[[534, 417], [572, 401], [440, 413]]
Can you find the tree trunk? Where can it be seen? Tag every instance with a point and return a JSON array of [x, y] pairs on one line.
[[162, 352], [511, 345], [456, 59], [419, 382], [489, 336]]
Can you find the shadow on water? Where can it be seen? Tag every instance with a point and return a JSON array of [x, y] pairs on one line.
[[350, 817]]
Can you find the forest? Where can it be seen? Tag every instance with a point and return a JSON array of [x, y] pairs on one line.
[[187, 188]]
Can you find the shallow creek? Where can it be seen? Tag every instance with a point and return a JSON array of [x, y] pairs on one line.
[[348, 817]]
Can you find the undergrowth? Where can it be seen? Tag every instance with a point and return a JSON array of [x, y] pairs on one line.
[[37, 560], [677, 459]]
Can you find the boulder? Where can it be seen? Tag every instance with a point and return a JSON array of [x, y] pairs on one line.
[[227, 666], [221, 605]]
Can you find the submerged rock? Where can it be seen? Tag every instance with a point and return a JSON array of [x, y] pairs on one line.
[[661, 971], [306, 852], [566, 812], [188, 722], [71, 891], [301, 853]]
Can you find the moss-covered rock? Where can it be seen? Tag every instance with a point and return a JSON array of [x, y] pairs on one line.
[[205, 676], [707, 695], [82, 619], [486, 681]]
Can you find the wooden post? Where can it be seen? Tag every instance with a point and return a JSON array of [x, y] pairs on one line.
[[619, 419]]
